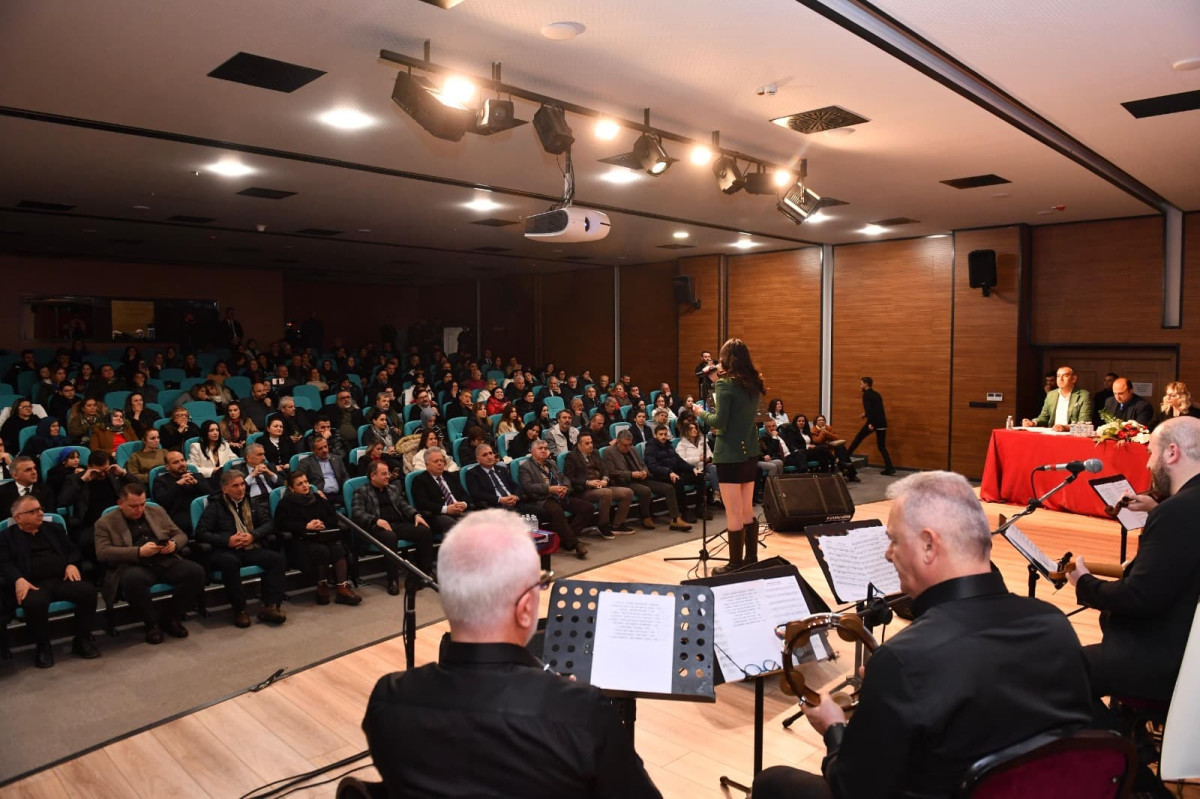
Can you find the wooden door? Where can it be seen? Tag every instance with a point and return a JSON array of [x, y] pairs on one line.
[[1154, 365]]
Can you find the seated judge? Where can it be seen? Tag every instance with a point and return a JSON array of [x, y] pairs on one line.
[[1064, 407], [487, 719], [1127, 406], [979, 669]]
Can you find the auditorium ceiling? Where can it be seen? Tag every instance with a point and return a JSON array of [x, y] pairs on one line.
[[110, 124]]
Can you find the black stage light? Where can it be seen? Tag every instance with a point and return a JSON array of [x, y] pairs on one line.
[[799, 202], [496, 116], [553, 130], [650, 155], [438, 114], [759, 182], [729, 177]]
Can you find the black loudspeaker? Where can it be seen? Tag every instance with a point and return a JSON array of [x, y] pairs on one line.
[[981, 269], [791, 502], [685, 291], [553, 130]]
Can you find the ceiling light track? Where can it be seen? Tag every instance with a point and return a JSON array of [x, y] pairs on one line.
[[494, 84]]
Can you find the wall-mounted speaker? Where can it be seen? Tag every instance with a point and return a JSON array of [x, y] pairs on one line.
[[981, 270], [685, 291]]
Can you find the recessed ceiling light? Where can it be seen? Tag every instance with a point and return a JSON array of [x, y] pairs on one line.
[[141, 208], [681, 234], [458, 89], [227, 167], [346, 119], [561, 31], [817, 217], [364, 230], [607, 130], [1185, 64], [701, 155], [744, 242], [937, 235], [872, 230], [1000, 195], [841, 132], [482, 202], [620, 176]]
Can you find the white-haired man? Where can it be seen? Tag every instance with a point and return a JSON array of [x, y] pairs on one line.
[[487, 720], [978, 670]]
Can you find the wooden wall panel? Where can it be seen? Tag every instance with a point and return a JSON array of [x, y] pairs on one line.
[[576, 316], [449, 304], [699, 329], [507, 304], [986, 345], [649, 327], [354, 312], [775, 307], [891, 320]]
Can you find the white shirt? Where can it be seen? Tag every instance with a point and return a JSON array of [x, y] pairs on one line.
[[1060, 410]]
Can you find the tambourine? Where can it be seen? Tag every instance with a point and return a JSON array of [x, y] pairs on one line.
[[797, 634]]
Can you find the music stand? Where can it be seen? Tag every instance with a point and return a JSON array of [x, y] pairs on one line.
[[1040, 564], [1110, 490]]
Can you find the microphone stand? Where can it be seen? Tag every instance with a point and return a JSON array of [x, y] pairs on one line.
[[704, 556], [1036, 502], [421, 580]]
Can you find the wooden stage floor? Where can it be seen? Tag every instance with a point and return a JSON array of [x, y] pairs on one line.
[[312, 719]]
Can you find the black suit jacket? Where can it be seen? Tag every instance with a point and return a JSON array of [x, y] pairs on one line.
[[873, 408], [1137, 410], [15, 559], [177, 500], [8, 495], [482, 492], [427, 497]]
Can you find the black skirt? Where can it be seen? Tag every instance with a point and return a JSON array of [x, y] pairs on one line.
[[743, 472]]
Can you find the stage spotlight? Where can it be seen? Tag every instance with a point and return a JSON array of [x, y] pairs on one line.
[[496, 116], [783, 178], [649, 152], [759, 182], [700, 155], [729, 177], [439, 114], [552, 129], [799, 202], [607, 129]]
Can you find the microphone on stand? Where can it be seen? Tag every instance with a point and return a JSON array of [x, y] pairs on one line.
[[1074, 467]]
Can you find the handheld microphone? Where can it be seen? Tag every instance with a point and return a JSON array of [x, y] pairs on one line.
[[1074, 467]]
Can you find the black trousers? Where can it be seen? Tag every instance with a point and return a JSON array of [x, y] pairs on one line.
[[420, 535], [230, 562], [552, 514], [443, 522], [37, 606], [785, 782], [880, 441], [187, 576], [315, 557], [680, 487]]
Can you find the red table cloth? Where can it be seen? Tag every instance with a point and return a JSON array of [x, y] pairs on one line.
[[1013, 454]]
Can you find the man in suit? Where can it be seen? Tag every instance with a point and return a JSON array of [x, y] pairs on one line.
[[667, 467], [590, 481], [326, 473], [231, 330], [438, 494], [295, 420], [344, 417], [1127, 406], [626, 468], [1065, 406], [544, 484], [875, 421], [490, 484], [236, 530], [41, 565], [25, 482], [381, 508], [1146, 616], [141, 545], [176, 487], [261, 479]]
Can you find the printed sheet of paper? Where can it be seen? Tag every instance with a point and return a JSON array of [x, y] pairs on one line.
[[634, 647], [1111, 489], [747, 614], [857, 558], [1029, 549]]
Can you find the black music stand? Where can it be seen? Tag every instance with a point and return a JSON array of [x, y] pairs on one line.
[[1037, 559], [766, 570], [571, 629], [1097, 486]]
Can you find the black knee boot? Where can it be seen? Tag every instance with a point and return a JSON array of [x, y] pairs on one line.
[[751, 532], [737, 541]]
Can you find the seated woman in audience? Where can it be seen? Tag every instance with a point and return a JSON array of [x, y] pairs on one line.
[[219, 373], [825, 439], [236, 427], [429, 421], [510, 420], [65, 467], [111, 432], [302, 512], [415, 460], [692, 448], [466, 447], [374, 452], [85, 415], [329, 372], [150, 455], [379, 431], [316, 381], [480, 418], [641, 428], [190, 367], [548, 372], [526, 403], [84, 378], [277, 446], [171, 358], [519, 446], [157, 364], [211, 452], [1177, 401], [175, 432], [20, 418], [660, 403], [775, 411], [140, 385], [218, 395], [49, 434], [139, 417], [475, 381], [496, 402]]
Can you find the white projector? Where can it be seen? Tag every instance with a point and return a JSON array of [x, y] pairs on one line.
[[567, 224]]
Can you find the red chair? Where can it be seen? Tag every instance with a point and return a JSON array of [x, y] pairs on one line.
[[1092, 764]]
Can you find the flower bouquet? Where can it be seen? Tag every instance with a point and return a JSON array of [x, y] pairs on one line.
[[1120, 431]]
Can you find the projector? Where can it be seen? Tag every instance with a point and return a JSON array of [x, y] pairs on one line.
[[567, 224]]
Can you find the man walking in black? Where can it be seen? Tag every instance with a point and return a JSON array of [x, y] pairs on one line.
[[874, 421]]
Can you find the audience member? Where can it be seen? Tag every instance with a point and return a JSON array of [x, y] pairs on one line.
[[88, 494], [625, 467], [1063, 407], [236, 428], [21, 417], [176, 433], [49, 434], [521, 445], [775, 411], [438, 494], [66, 464], [149, 456], [777, 449], [1127, 406], [277, 446], [381, 508], [59, 406], [1176, 402], [212, 452], [138, 416], [323, 428], [669, 469], [318, 543], [176, 487], [563, 436], [326, 472], [25, 483], [590, 482], [545, 485], [259, 405], [826, 440], [695, 452], [875, 421], [111, 433]]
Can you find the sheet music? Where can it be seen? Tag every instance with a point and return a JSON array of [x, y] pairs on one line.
[[1111, 490], [858, 558], [1029, 549], [747, 614], [634, 647]]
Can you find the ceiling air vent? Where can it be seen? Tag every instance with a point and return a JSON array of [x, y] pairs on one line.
[[494, 222], [819, 120], [895, 221], [266, 194], [318, 231], [491, 249], [265, 73], [676, 246], [192, 220], [1167, 104], [976, 181], [37, 205]]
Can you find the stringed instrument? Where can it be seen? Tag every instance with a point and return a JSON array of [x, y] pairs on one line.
[[797, 634], [1068, 563]]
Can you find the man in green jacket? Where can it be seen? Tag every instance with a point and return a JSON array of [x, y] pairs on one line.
[[1066, 406]]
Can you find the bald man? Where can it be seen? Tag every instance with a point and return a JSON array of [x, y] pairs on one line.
[[1128, 406], [1065, 405], [486, 719], [1147, 614], [979, 669]]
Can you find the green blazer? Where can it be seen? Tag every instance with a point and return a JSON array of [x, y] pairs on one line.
[[733, 421], [1079, 408]]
